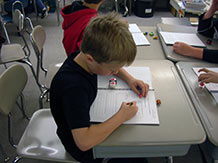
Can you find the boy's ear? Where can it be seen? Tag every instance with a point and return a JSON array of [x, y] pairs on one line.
[[89, 58]]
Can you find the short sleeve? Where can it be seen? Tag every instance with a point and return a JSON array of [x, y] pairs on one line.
[[76, 107]]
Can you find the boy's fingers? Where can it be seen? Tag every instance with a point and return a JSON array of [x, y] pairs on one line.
[[204, 70]]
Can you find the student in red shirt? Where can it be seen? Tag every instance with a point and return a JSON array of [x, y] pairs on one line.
[[76, 17]]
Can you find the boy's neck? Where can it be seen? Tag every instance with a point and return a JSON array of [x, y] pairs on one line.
[[92, 5], [80, 60]]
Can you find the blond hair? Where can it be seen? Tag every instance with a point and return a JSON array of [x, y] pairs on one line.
[[107, 39]]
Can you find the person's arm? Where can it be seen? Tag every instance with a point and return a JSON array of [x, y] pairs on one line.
[[213, 8], [138, 86], [88, 137], [187, 50], [206, 23], [208, 76], [210, 55]]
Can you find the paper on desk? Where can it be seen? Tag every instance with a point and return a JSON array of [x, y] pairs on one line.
[[212, 87], [108, 102], [133, 28], [141, 73], [189, 38], [138, 37]]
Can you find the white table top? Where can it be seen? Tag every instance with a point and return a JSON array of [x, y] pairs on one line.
[[203, 101], [168, 49], [179, 123]]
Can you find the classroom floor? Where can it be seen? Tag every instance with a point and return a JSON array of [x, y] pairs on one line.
[[54, 53]]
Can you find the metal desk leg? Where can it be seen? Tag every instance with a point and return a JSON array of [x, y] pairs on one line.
[[169, 159], [116, 6]]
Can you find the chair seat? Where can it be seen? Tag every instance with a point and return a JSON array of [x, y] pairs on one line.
[[40, 141], [11, 52]]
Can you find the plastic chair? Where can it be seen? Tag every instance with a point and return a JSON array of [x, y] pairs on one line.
[[9, 18], [40, 141], [12, 83], [37, 38], [57, 9], [15, 52]]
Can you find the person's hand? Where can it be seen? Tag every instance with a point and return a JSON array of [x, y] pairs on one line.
[[128, 110], [139, 87], [182, 48], [208, 76]]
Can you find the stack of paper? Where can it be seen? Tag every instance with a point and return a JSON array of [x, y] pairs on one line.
[[137, 35], [108, 101], [194, 4], [189, 38]]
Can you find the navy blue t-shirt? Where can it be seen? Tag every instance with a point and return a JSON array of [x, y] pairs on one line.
[[72, 92]]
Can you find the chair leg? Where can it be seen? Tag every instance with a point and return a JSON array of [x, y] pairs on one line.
[[6, 158], [35, 8], [169, 159], [116, 6], [58, 10], [6, 33], [21, 107], [34, 74], [41, 97], [17, 159], [126, 9]]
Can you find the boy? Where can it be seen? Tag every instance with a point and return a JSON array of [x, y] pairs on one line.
[[107, 46], [76, 17]]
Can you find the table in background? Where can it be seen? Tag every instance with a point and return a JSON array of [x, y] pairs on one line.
[[154, 51], [168, 49], [203, 101]]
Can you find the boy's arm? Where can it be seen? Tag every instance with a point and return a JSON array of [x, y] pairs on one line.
[[88, 137], [138, 86]]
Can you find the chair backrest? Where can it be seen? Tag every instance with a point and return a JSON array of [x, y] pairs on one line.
[[18, 20], [37, 38], [12, 83]]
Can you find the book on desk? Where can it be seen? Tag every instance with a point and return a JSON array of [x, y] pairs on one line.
[[189, 38], [108, 101]]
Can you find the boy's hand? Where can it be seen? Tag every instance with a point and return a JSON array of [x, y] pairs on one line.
[[139, 87], [208, 76], [128, 110]]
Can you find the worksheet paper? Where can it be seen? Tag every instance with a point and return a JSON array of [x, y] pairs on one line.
[[138, 37], [212, 87], [141, 73], [189, 38], [108, 101]]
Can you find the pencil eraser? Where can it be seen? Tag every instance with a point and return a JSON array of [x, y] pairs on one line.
[[140, 96], [158, 102], [113, 83]]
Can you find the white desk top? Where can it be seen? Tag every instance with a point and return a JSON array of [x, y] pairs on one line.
[[154, 51], [203, 101], [179, 123], [168, 49]]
